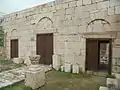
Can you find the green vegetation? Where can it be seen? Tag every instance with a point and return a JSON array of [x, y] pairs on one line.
[[5, 62], [110, 76], [65, 81], [1, 36], [8, 64], [17, 86]]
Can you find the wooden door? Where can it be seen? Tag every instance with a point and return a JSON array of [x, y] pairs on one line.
[[45, 48], [49, 49], [41, 47], [91, 55], [14, 48]]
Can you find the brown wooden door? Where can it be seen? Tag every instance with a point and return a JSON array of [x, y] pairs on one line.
[[14, 48], [41, 47], [45, 48], [91, 55], [49, 49]]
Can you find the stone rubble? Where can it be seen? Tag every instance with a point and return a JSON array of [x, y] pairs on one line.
[[112, 83], [16, 75], [12, 76], [18, 60]]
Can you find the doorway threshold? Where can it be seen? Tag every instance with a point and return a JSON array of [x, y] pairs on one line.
[[98, 73]]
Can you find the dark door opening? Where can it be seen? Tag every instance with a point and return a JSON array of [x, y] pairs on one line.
[[45, 48], [98, 55], [14, 48]]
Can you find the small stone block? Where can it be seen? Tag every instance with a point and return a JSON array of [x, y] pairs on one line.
[[67, 67], [18, 60], [62, 68], [75, 69], [103, 88]]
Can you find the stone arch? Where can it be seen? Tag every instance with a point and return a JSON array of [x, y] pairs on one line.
[[98, 25], [45, 18], [13, 32], [45, 23]]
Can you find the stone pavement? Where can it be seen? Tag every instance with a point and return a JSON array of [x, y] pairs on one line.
[[12, 76], [16, 75]]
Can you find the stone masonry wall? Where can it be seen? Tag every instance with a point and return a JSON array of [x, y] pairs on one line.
[[71, 22]]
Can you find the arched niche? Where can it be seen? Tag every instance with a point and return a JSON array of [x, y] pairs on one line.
[[99, 28], [98, 25], [44, 23], [14, 33]]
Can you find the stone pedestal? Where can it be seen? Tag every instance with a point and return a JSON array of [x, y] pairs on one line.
[[35, 77]]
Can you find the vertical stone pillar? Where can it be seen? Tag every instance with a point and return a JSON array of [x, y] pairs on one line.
[[67, 64], [56, 62]]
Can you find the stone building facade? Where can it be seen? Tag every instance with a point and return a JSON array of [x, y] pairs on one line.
[[71, 22]]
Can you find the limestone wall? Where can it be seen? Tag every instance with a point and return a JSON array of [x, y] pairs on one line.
[[71, 22]]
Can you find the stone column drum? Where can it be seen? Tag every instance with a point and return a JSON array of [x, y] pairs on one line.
[[35, 76]]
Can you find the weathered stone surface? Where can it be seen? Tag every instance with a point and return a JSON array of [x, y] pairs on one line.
[[111, 83], [85, 2], [35, 59], [114, 3], [35, 77], [111, 11], [27, 61], [117, 10], [18, 60], [94, 1], [116, 52], [73, 4], [56, 62], [75, 68], [79, 3], [67, 67], [11, 77], [70, 10], [102, 5], [69, 21], [118, 81], [65, 5], [103, 88], [62, 68]]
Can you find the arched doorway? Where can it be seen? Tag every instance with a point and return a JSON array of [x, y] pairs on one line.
[[44, 40]]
